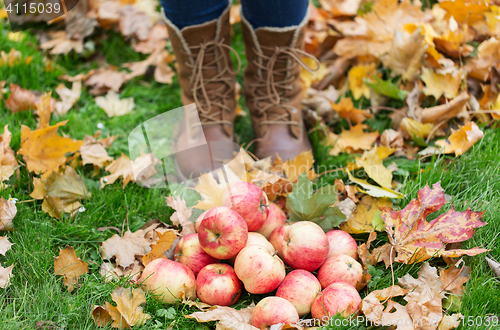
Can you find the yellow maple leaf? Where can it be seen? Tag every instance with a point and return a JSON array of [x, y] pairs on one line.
[[157, 250], [44, 150], [308, 78], [371, 161], [346, 110], [67, 264], [43, 110], [437, 84], [361, 220], [416, 128], [462, 139], [212, 190], [352, 139], [300, 164], [466, 11], [357, 76]]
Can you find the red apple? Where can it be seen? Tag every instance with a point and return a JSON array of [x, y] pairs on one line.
[[217, 284], [260, 270], [300, 287], [168, 280], [189, 252], [273, 310], [275, 218], [340, 268], [199, 220], [338, 297], [305, 246], [342, 243], [249, 201], [276, 238], [222, 233], [256, 239]]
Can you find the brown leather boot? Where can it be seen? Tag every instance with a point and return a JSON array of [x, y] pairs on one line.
[[207, 79], [273, 89]]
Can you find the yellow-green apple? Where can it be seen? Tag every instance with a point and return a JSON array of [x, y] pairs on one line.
[[336, 298], [305, 246], [276, 238], [275, 218], [340, 268], [273, 310], [189, 252], [255, 238], [199, 220], [260, 270], [249, 201], [300, 287], [342, 243], [217, 284], [168, 280], [222, 233]]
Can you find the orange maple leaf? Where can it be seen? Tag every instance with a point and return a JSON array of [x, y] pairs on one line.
[[415, 240]]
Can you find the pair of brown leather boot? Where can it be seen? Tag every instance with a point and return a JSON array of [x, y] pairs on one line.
[[272, 88]]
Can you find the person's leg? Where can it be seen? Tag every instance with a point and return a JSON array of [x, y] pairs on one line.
[[185, 13], [274, 13], [274, 31]]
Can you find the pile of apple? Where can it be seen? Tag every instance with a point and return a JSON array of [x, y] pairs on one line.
[[255, 238]]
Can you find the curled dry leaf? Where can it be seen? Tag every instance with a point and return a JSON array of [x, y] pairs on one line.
[[371, 161], [159, 248], [43, 150], [229, 318], [494, 265], [113, 106], [8, 211], [462, 139], [416, 240], [181, 215], [68, 97], [374, 191], [5, 275], [125, 248], [141, 168], [415, 128], [67, 264], [444, 111], [8, 161], [127, 313], [5, 245]]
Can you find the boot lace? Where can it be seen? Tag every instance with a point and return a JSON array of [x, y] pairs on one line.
[[271, 91], [205, 101]]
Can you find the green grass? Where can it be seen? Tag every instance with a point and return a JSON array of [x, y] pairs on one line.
[[36, 294]]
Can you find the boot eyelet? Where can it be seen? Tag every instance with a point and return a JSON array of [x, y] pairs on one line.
[[294, 110], [291, 87]]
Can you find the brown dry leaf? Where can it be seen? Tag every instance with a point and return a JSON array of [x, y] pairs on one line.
[[13, 57], [453, 279], [158, 250], [20, 99], [125, 248], [5, 245], [453, 44], [43, 150], [141, 168], [391, 138], [78, 77], [229, 318], [68, 97], [8, 211], [488, 55], [444, 111], [346, 110], [127, 313], [95, 154], [462, 139], [351, 140], [68, 265], [272, 184], [134, 22], [405, 56], [181, 215], [163, 72], [60, 43], [133, 272], [446, 84], [361, 220], [156, 40], [43, 110], [211, 190], [5, 275], [357, 76], [302, 163], [103, 80], [113, 106], [348, 190], [371, 161], [415, 239], [494, 265], [8, 161]]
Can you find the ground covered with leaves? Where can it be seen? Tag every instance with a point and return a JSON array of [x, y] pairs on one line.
[[402, 114]]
